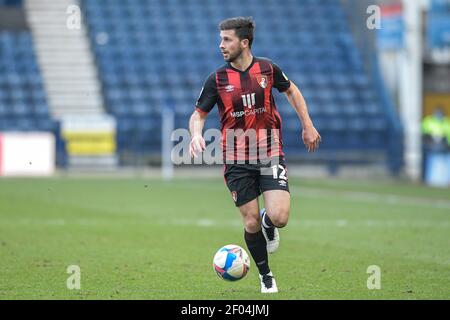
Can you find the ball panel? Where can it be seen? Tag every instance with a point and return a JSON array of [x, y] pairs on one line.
[[236, 270], [220, 258], [231, 258], [229, 277]]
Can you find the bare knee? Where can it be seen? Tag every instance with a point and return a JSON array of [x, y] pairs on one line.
[[252, 225], [280, 219]]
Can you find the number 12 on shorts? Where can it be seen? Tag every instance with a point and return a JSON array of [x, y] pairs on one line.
[[275, 171]]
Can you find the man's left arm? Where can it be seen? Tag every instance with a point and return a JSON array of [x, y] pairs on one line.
[[311, 138]]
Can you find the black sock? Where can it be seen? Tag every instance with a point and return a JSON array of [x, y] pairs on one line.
[[267, 223], [256, 244]]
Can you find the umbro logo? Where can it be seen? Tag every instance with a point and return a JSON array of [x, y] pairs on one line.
[[282, 183], [229, 88]]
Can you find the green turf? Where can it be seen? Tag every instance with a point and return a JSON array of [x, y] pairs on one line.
[[147, 239]]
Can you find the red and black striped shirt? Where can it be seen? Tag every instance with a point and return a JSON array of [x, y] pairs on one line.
[[245, 102]]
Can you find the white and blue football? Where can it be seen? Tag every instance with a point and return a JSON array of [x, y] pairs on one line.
[[231, 262]]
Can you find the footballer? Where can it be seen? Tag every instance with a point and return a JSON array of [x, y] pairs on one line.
[[242, 91]]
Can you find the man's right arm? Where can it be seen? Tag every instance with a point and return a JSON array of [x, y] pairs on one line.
[[206, 101], [196, 124]]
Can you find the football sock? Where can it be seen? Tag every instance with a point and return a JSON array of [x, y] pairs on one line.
[[267, 223], [256, 244]]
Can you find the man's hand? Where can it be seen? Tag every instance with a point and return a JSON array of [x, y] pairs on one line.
[[311, 138], [197, 146]]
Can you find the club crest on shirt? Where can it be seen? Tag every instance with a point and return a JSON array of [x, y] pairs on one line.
[[234, 195], [262, 81]]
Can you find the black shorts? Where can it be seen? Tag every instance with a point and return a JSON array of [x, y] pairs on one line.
[[247, 181]]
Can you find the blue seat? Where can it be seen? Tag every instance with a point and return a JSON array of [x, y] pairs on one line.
[[20, 109], [25, 124], [4, 111], [125, 125], [40, 109], [46, 124], [140, 108], [352, 109], [119, 108], [372, 109]]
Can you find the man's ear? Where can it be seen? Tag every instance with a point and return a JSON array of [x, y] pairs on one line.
[[245, 43]]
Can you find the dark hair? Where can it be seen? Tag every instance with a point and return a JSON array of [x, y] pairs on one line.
[[243, 26]]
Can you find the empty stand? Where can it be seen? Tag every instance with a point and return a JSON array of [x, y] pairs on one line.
[[156, 54]]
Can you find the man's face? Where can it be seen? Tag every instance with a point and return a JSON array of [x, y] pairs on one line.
[[230, 46]]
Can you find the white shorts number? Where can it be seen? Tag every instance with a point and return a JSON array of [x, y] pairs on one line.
[[275, 172]]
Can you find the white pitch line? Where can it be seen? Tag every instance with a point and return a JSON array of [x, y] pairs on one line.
[[235, 223], [357, 196], [370, 197], [317, 223]]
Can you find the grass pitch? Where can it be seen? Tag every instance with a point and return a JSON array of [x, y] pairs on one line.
[[147, 239]]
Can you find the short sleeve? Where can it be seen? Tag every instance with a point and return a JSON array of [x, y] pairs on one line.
[[280, 80], [208, 95]]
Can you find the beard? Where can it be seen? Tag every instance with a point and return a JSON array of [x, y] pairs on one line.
[[234, 56]]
